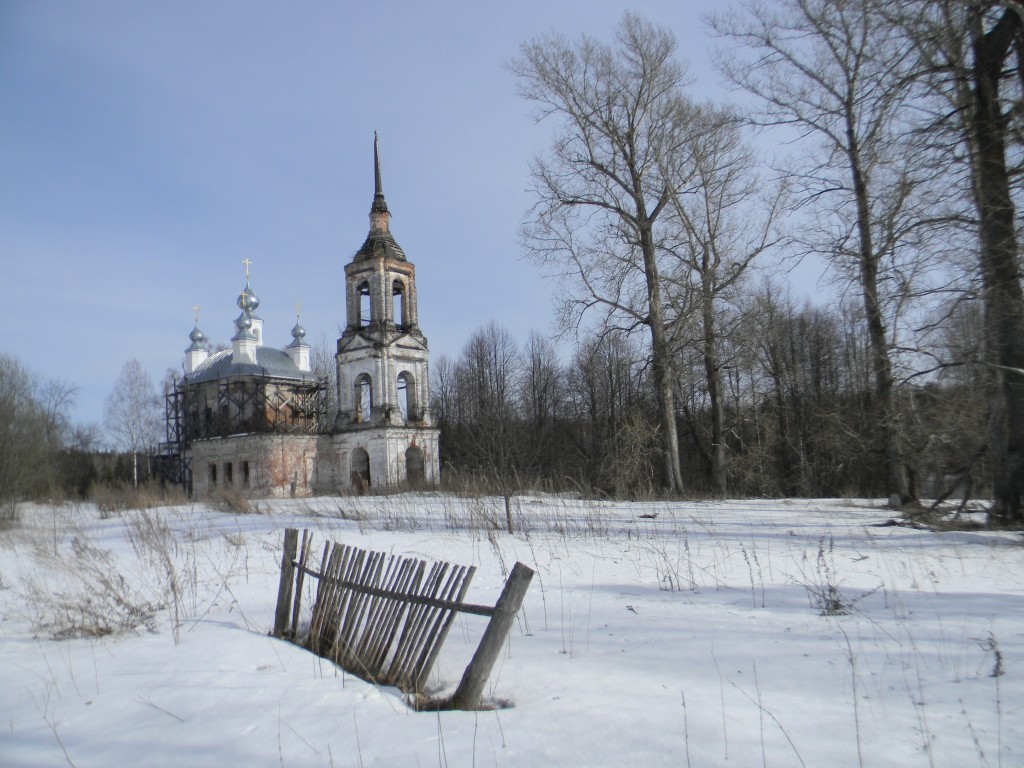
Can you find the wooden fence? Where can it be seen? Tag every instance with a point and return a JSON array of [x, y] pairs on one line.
[[384, 617]]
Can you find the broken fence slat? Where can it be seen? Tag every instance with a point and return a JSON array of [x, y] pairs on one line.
[[439, 632], [471, 688], [300, 576], [284, 588]]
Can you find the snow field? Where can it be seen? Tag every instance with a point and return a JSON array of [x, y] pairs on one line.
[[683, 634]]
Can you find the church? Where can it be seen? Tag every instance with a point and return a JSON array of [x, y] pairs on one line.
[[258, 420]]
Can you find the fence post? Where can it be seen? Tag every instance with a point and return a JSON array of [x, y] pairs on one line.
[[467, 695], [284, 589]]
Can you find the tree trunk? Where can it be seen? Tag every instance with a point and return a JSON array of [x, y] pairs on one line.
[[886, 427], [714, 381], [1003, 298], [661, 366]]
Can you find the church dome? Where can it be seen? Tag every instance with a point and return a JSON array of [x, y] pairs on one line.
[[248, 301]]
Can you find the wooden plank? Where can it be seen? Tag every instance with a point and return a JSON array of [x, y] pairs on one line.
[[394, 616], [378, 620], [467, 695], [417, 621], [428, 633], [476, 610], [351, 559], [353, 624], [284, 588], [375, 619], [316, 620], [442, 635], [300, 575], [412, 615]]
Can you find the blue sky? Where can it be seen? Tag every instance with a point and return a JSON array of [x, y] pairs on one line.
[[147, 148]]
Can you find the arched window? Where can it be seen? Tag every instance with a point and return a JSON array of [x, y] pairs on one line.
[[398, 292], [363, 397], [407, 396], [360, 469], [414, 465], [365, 305]]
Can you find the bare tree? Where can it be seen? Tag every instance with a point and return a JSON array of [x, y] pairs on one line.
[[486, 418], [973, 56], [541, 396], [602, 189], [728, 219], [131, 412], [33, 428], [837, 73]]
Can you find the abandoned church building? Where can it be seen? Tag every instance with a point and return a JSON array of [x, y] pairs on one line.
[[257, 419]]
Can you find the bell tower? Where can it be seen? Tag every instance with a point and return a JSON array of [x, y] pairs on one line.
[[383, 363]]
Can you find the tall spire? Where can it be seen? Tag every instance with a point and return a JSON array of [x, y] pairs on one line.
[[379, 205], [379, 242]]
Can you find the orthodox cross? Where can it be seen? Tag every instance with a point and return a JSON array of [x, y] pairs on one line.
[[195, 311], [247, 265]]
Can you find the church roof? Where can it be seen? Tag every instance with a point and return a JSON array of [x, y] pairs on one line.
[[380, 244], [270, 363]]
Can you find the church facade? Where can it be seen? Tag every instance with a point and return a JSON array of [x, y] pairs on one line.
[[255, 419]]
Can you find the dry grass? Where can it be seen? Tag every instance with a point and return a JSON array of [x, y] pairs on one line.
[[116, 499]]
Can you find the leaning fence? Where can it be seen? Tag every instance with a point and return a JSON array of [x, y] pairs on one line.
[[385, 617]]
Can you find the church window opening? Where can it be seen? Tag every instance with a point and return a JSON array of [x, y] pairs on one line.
[[365, 305], [414, 465], [229, 475], [245, 473], [213, 474], [398, 291], [364, 398], [406, 396], [360, 468]]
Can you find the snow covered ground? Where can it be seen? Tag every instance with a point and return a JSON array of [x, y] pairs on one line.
[[685, 634]]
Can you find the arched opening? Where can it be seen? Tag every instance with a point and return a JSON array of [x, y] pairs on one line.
[[363, 397], [406, 391], [360, 469], [414, 465], [365, 305], [398, 302]]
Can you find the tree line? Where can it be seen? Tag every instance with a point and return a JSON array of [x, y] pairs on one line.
[[899, 156], [796, 412], [44, 455]]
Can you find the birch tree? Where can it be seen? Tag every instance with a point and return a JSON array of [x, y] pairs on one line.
[[131, 412]]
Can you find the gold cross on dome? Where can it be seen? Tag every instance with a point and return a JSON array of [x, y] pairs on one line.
[[195, 311], [247, 265], [298, 310], [244, 296]]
